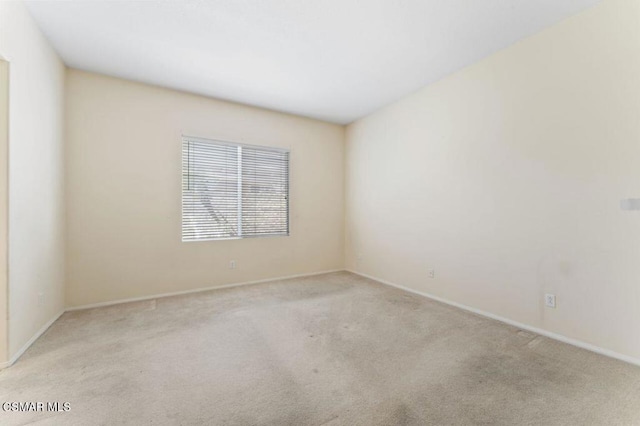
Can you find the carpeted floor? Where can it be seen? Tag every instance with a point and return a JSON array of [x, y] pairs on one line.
[[333, 349]]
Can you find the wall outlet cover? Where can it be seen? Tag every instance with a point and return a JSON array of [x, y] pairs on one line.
[[550, 300]]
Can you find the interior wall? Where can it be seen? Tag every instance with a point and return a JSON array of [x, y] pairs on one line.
[[4, 210], [36, 185], [124, 192], [506, 179]]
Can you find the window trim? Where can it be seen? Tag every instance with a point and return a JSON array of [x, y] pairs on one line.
[[185, 137]]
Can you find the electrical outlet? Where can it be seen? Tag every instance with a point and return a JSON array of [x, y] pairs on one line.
[[432, 273], [40, 299], [550, 300], [232, 264]]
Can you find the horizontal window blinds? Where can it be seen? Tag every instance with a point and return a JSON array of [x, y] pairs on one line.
[[265, 190], [233, 191]]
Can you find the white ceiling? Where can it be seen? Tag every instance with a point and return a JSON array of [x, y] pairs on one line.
[[335, 60]]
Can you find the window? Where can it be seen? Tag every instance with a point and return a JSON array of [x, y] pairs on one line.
[[233, 190]]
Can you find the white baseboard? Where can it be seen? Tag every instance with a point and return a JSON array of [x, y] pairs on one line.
[[196, 290], [27, 345], [40, 332], [540, 331]]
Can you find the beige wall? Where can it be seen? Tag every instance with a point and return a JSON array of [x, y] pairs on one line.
[[124, 192], [4, 210], [506, 179], [36, 205]]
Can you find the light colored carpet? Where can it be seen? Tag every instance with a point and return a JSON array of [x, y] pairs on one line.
[[333, 349]]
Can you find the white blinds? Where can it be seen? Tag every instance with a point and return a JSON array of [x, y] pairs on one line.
[[233, 191]]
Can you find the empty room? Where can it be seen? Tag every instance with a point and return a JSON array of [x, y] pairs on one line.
[[330, 212]]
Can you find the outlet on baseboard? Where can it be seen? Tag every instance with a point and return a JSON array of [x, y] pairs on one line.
[[232, 264], [550, 300]]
